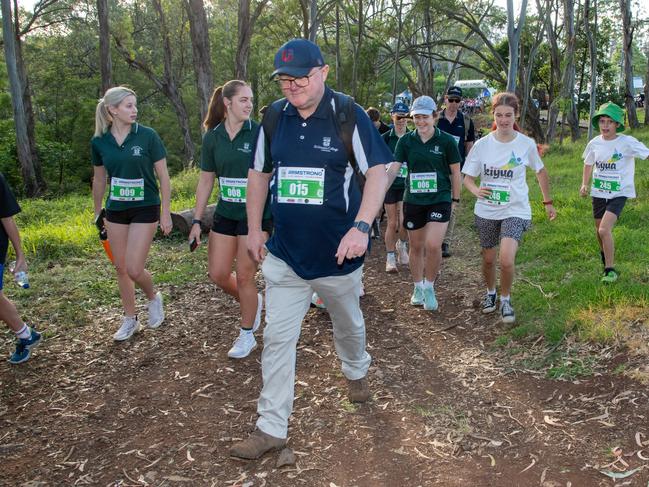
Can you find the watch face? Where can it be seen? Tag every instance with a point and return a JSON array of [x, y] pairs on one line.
[[362, 226]]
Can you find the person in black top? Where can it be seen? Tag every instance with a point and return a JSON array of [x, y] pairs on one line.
[[375, 117], [461, 128], [26, 337]]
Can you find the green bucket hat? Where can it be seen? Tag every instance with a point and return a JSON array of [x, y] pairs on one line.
[[611, 110]]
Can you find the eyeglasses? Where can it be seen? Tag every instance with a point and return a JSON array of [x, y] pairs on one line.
[[454, 100], [301, 82]]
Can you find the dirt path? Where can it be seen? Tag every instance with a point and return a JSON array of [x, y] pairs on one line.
[[448, 407]]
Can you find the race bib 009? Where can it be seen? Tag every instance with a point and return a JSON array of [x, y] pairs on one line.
[[126, 189], [300, 185]]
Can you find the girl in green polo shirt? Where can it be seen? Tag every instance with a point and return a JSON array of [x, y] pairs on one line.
[[226, 154], [129, 156], [433, 187]]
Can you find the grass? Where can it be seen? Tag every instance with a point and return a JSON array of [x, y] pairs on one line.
[[69, 273], [557, 290]]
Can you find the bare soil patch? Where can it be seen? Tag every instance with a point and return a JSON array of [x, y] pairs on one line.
[[449, 408]]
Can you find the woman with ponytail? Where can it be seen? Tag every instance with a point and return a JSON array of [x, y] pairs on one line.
[[129, 156], [502, 210], [226, 153]]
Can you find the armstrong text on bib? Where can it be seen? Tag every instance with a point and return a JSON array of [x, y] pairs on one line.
[[300, 185]]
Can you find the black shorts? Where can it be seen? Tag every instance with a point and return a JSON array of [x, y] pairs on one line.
[[393, 196], [234, 228], [139, 214], [417, 216], [614, 205]]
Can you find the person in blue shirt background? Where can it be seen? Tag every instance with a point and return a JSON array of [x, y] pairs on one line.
[[321, 231]]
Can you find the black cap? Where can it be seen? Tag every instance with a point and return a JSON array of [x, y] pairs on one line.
[[297, 58], [454, 91]]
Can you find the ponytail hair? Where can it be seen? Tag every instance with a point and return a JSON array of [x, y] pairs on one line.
[[217, 112], [112, 98]]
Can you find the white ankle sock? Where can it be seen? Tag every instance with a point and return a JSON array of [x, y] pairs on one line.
[[24, 333]]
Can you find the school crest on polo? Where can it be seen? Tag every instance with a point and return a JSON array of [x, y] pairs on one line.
[[245, 148], [137, 151], [326, 141]]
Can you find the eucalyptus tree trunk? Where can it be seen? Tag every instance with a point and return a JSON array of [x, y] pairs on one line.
[[555, 69], [568, 79], [398, 8], [591, 36], [313, 20], [246, 25], [105, 61], [514, 34], [627, 50], [29, 164], [199, 34], [167, 84], [338, 64]]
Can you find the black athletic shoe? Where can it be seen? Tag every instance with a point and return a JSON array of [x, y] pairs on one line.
[[445, 250], [489, 303]]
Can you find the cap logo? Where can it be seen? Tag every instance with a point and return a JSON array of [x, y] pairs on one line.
[[287, 55]]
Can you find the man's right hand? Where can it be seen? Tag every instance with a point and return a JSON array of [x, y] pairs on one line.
[[256, 245]]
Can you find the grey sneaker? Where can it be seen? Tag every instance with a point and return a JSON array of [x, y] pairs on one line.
[[129, 327], [256, 445], [507, 312], [156, 311], [402, 253], [391, 263], [417, 298]]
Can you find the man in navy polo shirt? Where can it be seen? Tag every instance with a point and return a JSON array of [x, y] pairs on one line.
[[320, 237], [461, 128]]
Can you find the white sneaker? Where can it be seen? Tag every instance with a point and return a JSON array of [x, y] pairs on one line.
[[243, 345], [129, 327], [391, 263], [156, 311], [362, 291], [402, 253], [317, 301], [257, 323]]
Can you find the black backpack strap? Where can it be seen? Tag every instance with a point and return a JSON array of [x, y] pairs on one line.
[[271, 117], [346, 118]]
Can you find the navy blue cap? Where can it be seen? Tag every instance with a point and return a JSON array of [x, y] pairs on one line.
[[454, 91], [400, 107], [297, 57]]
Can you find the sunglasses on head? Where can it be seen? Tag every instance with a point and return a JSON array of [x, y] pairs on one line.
[[454, 100]]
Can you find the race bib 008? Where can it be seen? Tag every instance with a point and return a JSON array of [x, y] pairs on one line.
[[233, 189]]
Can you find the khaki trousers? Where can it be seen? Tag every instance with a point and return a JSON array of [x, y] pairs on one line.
[[287, 300]]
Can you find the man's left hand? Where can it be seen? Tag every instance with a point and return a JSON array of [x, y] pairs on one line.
[[352, 245]]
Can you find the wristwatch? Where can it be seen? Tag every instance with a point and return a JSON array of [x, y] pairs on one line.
[[362, 226], [195, 221]]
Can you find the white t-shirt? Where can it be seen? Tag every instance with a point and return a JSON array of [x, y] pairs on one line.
[[614, 165], [501, 168]]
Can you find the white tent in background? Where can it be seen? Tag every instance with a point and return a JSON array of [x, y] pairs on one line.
[[475, 83]]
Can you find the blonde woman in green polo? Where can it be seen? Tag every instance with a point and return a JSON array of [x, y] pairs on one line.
[[226, 154], [130, 155]]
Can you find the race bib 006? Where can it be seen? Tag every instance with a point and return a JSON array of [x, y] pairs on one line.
[[300, 185], [423, 182]]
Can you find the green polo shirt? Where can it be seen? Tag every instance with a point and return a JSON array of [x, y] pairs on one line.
[[130, 167], [229, 160], [391, 138], [429, 167]]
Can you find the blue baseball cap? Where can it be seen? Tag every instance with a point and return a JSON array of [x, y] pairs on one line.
[[424, 105], [400, 107], [297, 57]]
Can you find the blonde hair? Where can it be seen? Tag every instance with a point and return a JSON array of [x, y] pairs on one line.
[[112, 98]]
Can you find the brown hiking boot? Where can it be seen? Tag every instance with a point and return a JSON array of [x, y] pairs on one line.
[[256, 445], [359, 390]]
